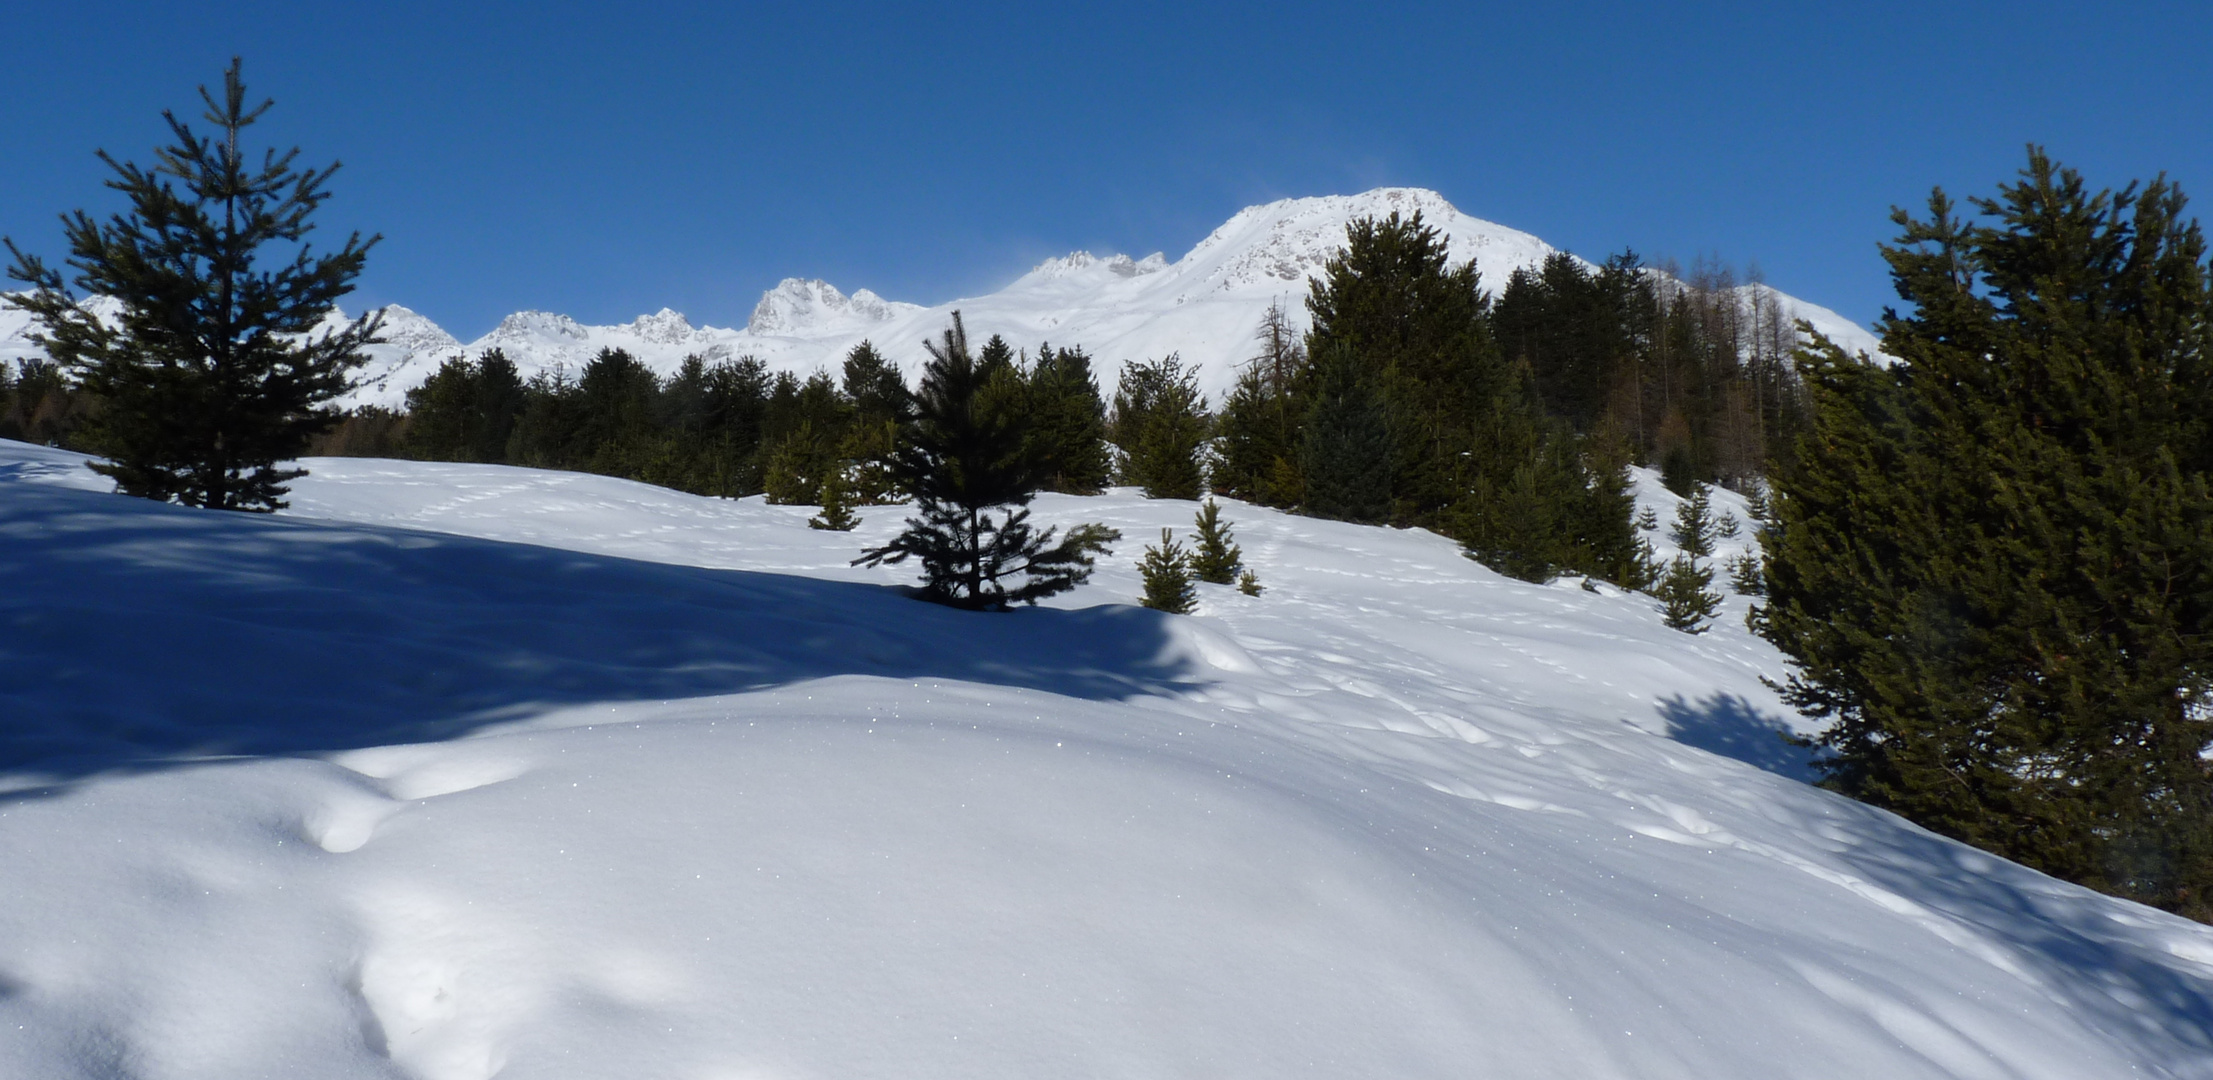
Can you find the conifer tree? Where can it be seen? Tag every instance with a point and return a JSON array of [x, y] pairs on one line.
[[218, 370], [1258, 432], [1068, 423], [1248, 583], [970, 476], [1216, 558], [1169, 584], [1992, 563], [837, 505], [1345, 448], [1693, 531], [1160, 423], [1687, 602]]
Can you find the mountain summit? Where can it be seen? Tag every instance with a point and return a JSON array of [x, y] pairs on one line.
[[1204, 306]]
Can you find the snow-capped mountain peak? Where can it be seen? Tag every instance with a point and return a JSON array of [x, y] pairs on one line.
[[799, 307], [1204, 306]]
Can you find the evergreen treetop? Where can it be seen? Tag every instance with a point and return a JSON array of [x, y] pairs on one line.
[[219, 366], [1992, 564]]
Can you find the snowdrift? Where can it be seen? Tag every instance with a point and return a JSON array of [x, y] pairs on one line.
[[455, 772]]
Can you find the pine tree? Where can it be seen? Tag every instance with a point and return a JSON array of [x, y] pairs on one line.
[[1068, 423], [1160, 423], [1686, 600], [967, 469], [1258, 432], [218, 371], [1345, 447], [1169, 583], [837, 505], [1746, 576], [1992, 563], [1248, 583], [1217, 557], [1693, 531]]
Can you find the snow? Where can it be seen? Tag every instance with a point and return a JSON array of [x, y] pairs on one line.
[[459, 771], [1204, 306]]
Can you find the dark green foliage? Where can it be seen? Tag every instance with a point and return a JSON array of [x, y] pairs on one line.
[[1160, 424], [1068, 423], [837, 505], [1346, 452], [1169, 584], [1687, 601], [1216, 558], [1745, 575], [1992, 564], [967, 468], [1693, 531], [1259, 431], [881, 406], [1399, 331], [1688, 370], [467, 410], [40, 404], [1248, 583], [1414, 417], [211, 377]]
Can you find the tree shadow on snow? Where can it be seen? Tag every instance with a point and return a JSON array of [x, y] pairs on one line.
[[133, 634], [1730, 726]]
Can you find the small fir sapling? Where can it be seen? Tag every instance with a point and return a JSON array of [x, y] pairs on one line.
[[837, 504], [1248, 583], [1728, 529], [1745, 576], [1169, 585], [1217, 557], [1648, 520], [1685, 598], [1693, 531]]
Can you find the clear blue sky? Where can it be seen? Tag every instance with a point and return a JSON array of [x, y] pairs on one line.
[[604, 160]]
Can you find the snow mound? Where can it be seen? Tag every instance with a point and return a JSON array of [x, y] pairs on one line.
[[456, 771]]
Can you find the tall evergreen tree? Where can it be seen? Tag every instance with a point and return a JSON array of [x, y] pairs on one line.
[[1257, 434], [1345, 446], [970, 475], [1161, 424], [1992, 563], [217, 370], [1068, 423]]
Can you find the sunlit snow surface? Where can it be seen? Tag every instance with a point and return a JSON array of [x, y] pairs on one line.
[[458, 771]]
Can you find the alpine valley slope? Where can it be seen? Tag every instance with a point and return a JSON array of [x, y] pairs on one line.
[[461, 771], [1204, 306]]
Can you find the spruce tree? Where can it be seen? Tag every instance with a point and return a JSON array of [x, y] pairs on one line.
[[1068, 423], [1992, 563], [1693, 531], [1687, 602], [1161, 424], [837, 505], [1248, 583], [1217, 557], [1345, 446], [1169, 584], [218, 370], [967, 468]]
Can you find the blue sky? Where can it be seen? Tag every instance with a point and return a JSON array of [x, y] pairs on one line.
[[604, 160]]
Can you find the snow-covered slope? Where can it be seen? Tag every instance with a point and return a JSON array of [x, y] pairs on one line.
[[462, 771], [1205, 306]]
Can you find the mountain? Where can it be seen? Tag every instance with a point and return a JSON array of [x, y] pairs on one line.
[[1204, 306]]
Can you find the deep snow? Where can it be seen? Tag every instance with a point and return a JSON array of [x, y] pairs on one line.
[[459, 771]]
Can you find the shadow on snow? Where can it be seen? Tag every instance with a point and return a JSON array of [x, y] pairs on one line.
[[137, 633], [1732, 727]]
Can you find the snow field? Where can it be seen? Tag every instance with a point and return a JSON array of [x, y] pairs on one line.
[[457, 771]]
